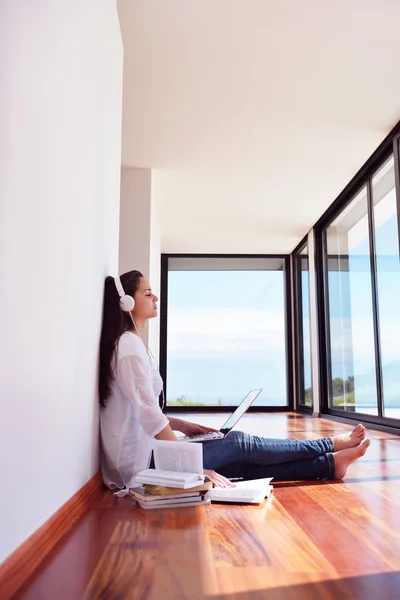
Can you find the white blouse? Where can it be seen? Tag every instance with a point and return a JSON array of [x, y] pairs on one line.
[[132, 415]]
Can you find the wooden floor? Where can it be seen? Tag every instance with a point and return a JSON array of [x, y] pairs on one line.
[[312, 540]]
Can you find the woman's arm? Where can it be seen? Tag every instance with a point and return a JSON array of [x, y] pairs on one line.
[[166, 434], [187, 427], [175, 423]]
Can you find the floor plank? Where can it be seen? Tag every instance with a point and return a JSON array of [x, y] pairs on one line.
[[310, 540]]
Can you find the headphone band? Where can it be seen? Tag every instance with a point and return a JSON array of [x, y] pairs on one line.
[[119, 287]]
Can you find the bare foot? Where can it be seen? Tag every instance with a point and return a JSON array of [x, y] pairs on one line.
[[344, 458], [349, 440]]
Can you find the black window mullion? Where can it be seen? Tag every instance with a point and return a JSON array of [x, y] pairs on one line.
[[163, 325], [299, 349], [300, 338], [289, 340], [375, 303], [326, 393]]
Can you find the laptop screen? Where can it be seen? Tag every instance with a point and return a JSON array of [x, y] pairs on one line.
[[241, 409]]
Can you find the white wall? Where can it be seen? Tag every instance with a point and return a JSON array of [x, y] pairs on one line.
[[155, 275], [135, 215], [140, 243], [60, 124]]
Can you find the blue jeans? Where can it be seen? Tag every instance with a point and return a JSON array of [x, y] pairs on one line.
[[252, 457]]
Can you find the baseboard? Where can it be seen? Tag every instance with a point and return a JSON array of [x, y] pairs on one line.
[[16, 569]]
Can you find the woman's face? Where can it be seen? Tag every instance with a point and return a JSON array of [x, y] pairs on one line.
[[145, 301]]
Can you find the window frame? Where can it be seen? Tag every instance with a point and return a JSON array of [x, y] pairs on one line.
[[298, 329], [390, 146], [164, 333]]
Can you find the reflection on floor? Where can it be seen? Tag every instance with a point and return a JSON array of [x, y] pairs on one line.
[[312, 540]]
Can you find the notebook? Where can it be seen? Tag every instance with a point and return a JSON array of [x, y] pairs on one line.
[[245, 492], [228, 425]]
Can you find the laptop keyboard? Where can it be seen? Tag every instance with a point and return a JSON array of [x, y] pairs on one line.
[[214, 435]]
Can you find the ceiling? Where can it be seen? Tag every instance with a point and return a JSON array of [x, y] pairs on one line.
[[254, 114]]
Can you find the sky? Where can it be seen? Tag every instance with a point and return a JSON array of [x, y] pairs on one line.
[[226, 335]]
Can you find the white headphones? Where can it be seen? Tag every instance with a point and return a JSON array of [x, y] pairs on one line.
[[126, 302]]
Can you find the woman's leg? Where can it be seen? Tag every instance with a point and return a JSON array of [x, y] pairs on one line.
[[322, 467], [243, 448], [329, 466]]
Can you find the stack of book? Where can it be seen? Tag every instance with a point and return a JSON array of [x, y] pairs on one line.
[[178, 480], [151, 496]]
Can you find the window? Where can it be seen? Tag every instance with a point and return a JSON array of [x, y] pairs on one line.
[[387, 285], [352, 360], [358, 282], [226, 330], [303, 346]]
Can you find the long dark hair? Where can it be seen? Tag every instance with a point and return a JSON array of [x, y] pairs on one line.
[[115, 323]]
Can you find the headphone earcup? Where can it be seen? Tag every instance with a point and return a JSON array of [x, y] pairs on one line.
[[127, 303]]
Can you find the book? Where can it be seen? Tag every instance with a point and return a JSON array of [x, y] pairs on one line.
[[172, 479], [185, 456], [245, 492], [170, 501], [159, 490], [176, 465], [176, 504], [140, 493]]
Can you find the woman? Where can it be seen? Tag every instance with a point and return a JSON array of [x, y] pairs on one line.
[[130, 385]]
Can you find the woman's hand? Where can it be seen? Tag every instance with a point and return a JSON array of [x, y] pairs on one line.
[[188, 428], [219, 480]]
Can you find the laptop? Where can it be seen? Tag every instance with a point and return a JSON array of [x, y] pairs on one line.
[[228, 425]]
